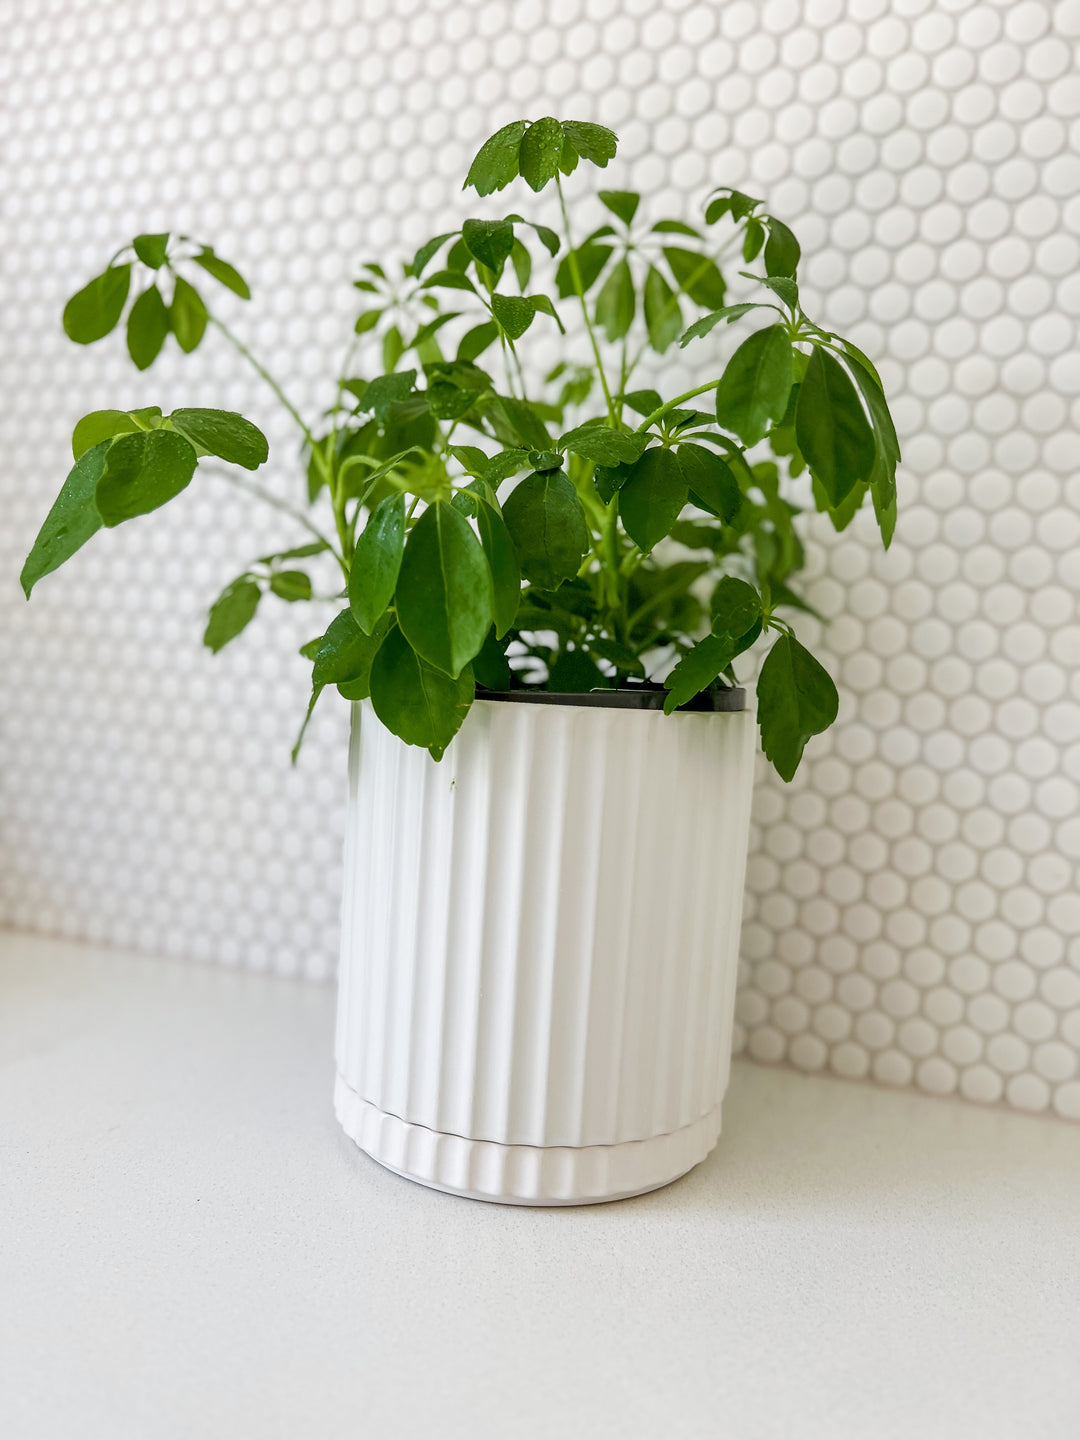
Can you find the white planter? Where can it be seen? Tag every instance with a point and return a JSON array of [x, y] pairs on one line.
[[539, 948]]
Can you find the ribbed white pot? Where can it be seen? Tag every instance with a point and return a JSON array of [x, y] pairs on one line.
[[539, 948]]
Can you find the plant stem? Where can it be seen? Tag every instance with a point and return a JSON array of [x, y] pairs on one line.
[[298, 515], [579, 291], [674, 404], [261, 370]]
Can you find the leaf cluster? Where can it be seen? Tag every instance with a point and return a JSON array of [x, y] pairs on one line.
[[491, 535]]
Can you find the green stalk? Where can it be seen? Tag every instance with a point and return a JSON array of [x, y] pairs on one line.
[[674, 404], [579, 291]]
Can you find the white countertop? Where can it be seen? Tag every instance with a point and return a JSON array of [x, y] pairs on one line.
[[189, 1249]]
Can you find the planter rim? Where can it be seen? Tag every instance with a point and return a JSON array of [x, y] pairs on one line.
[[624, 698]]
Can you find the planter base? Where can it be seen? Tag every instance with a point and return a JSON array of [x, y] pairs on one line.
[[523, 1174]]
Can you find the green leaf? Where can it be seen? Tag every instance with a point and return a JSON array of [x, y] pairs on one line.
[[697, 275], [386, 391], [615, 303], [367, 320], [143, 472], [508, 462], [515, 313], [151, 249], [346, 653], [796, 700], [95, 310], [449, 280], [697, 670], [416, 702], [426, 251], [223, 272], [540, 152], [643, 402], [711, 484], [491, 667], [71, 521], [543, 306], [621, 656], [707, 322], [147, 327], [734, 608], [663, 318], [291, 585], [781, 286], [475, 341], [471, 458], [675, 227], [733, 203], [502, 560], [444, 590], [100, 425], [652, 498], [525, 423], [832, 431], [886, 445], [782, 251], [376, 562], [753, 239], [298, 552], [604, 445], [496, 162], [225, 434], [187, 315], [233, 610], [489, 241], [590, 259], [393, 347], [547, 524], [575, 672], [595, 143], [623, 203], [755, 385], [522, 263]]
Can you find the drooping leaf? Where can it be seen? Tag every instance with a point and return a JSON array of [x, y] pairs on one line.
[[543, 306], [886, 446], [496, 162], [796, 700], [675, 227], [590, 260], [643, 402], [151, 249], [444, 591], [345, 654], [782, 251], [416, 702], [489, 241], [376, 562], [225, 434], [707, 322], [522, 263], [95, 309], [615, 303], [710, 481], [547, 524], [832, 430], [393, 347], [187, 315], [595, 143], [502, 560], [540, 152], [755, 385], [653, 496], [72, 520], [623, 203], [224, 273], [604, 445], [231, 612], [698, 275], [143, 472], [525, 423], [753, 239], [147, 327], [663, 318]]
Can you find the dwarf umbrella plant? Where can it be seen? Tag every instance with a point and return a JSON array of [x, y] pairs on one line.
[[493, 533]]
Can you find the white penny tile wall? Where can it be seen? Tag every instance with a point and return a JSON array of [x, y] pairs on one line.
[[913, 914]]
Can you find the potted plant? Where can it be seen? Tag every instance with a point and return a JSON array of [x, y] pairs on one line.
[[544, 588]]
